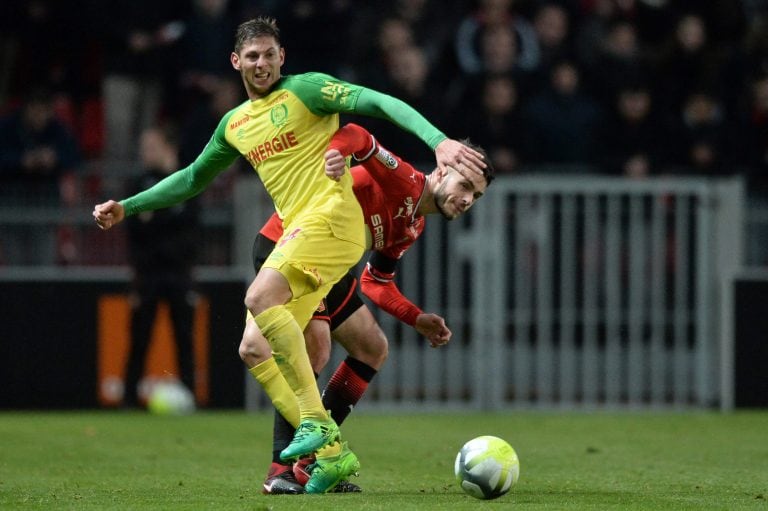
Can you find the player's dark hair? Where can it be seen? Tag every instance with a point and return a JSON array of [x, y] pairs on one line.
[[488, 171], [263, 26]]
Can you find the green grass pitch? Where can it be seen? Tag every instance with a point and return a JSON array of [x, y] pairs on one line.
[[217, 461]]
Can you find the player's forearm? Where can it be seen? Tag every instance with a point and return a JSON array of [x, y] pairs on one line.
[[185, 183], [172, 190], [352, 139], [388, 297], [376, 104]]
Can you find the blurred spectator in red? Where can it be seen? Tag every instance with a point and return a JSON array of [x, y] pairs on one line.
[[562, 121]]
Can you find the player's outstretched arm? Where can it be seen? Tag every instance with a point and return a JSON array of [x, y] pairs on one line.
[[447, 151], [433, 328], [382, 291], [108, 214]]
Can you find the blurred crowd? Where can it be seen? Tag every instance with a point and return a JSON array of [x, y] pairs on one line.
[[623, 87]]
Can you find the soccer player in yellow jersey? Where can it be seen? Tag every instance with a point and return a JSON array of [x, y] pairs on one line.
[[283, 130]]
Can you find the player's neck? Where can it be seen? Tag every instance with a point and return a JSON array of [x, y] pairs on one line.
[[427, 202]]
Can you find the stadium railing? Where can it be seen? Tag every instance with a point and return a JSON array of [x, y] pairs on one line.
[[572, 292], [562, 291]]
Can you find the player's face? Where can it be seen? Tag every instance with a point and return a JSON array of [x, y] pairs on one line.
[[456, 193], [259, 63]]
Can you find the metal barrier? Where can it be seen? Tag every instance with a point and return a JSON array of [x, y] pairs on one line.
[[570, 292], [50, 225], [561, 291]]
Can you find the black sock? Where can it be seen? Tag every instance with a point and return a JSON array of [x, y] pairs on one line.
[[282, 434], [346, 387]]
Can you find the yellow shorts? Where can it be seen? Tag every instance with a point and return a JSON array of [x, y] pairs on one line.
[[312, 257]]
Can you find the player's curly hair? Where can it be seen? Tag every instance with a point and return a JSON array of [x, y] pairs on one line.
[[263, 26], [488, 171]]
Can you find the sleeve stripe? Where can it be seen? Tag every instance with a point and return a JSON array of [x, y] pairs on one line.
[[374, 147], [378, 275]]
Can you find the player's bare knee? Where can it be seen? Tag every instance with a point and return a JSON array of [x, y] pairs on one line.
[[253, 303], [253, 348], [247, 351], [380, 349], [242, 350], [372, 349]]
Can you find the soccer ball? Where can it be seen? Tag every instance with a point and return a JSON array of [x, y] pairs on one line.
[[487, 467], [171, 398]]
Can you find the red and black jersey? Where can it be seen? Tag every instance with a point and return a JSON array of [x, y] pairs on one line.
[[388, 190]]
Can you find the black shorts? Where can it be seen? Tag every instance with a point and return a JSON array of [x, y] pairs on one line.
[[342, 300]]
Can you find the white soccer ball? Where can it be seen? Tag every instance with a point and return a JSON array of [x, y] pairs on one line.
[[171, 398], [487, 467]]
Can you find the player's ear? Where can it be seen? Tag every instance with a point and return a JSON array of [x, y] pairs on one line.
[[234, 58]]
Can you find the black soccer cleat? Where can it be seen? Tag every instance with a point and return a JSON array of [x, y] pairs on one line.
[[345, 487], [280, 481]]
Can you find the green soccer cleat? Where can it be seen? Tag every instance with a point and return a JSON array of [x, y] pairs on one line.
[[329, 470], [310, 436]]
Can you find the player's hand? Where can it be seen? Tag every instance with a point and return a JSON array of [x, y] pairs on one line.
[[335, 164], [460, 157], [433, 328], [108, 214]]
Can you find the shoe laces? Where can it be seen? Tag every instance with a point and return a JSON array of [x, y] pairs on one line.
[[305, 429]]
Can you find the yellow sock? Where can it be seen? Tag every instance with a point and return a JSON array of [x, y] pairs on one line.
[[290, 353], [273, 382], [329, 450]]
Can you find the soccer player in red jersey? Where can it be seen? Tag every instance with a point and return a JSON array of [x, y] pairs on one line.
[[395, 197]]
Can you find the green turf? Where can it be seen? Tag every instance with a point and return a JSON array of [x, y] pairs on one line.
[[216, 461]]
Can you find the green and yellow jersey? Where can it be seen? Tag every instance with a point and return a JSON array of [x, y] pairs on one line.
[[284, 136]]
